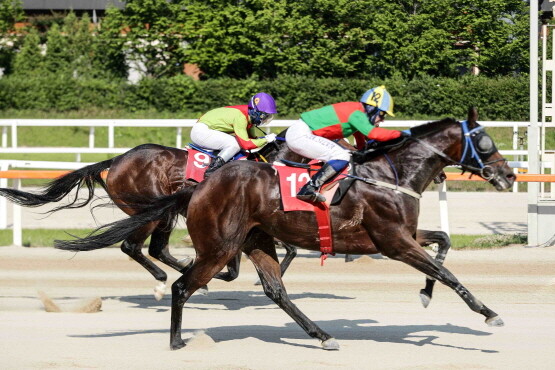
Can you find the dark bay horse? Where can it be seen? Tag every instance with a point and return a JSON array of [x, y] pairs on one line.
[[147, 172], [239, 209]]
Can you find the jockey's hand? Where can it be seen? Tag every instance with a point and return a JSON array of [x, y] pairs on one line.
[[406, 133], [270, 137]]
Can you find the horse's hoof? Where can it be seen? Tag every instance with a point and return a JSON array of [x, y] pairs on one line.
[[330, 345], [202, 290], [177, 344], [425, 298], [258, 282], [159, 291], [185, 261], [495, 321]]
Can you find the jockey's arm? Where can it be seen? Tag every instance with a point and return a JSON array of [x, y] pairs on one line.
[[243, 138], [360, 121]]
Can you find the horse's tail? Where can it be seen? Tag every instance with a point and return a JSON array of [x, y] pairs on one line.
[[165, 208], [57, 189]]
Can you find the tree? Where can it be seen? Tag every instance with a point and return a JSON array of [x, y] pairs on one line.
[[80, 43], [354, 38], [11, 12], [29, 60], [152, 41], [57, 59], [108, 47]]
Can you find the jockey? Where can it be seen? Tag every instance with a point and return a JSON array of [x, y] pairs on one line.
[[312, 135], [215, 129]]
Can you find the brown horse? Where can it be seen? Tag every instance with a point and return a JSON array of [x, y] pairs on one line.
[[135, 178], [239, 209]]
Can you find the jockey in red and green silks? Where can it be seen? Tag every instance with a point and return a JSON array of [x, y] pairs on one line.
[[312, 135], [230, 129]]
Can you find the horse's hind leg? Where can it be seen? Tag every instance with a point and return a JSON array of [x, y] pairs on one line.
[[424, 238], [132, 247], [261, 251], [417, 257], [290, 254], [159, 249], [199, 274], [232, 269]]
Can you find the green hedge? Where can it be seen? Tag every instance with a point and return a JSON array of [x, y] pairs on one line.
[[501, 98]]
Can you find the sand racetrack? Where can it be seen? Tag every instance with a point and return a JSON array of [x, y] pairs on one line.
[[371, 306]]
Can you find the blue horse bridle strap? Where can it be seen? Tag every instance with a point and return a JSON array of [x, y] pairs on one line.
[[469, 144]]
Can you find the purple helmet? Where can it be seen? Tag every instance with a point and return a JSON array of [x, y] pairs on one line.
[[263, 102]]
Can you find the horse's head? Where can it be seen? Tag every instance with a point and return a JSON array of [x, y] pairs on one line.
[[480, 156]]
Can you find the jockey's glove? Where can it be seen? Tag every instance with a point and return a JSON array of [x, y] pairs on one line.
[[406, 133], [270, 137]]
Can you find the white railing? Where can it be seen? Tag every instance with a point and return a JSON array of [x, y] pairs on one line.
[[178, 124]]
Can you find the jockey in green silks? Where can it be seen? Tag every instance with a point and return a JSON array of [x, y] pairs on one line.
[[312, 135], [230, 129]]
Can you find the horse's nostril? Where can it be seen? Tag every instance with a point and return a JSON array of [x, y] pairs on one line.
[[511, 176]]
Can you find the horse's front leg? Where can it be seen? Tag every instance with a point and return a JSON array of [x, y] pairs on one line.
[[408, 251], [424, 238]]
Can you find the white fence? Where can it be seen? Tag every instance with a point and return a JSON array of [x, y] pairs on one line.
[[178, 124]]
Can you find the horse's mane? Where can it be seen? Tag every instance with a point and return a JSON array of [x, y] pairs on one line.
[[431, 127], [273, 147]]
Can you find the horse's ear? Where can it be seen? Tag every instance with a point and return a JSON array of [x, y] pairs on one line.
[[472, 115]]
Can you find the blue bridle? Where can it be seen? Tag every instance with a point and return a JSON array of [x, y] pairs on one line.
[[469, 143]]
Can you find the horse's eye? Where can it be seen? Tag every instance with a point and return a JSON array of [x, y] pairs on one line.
[[484, 144]]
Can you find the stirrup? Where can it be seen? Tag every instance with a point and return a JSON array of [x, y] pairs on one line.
[[311, 196]]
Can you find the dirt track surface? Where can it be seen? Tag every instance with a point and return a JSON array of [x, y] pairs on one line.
[[370, 306]]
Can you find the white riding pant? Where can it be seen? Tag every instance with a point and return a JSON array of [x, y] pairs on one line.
[[301, 140], [207, 138]]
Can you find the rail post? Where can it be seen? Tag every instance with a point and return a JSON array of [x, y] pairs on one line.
[[443, 208], [4, 136], [91, 137], [17, 219], [3, 201], [178, 139]]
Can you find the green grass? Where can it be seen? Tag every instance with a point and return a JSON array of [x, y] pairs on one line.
[[46, 237], [486, 241]]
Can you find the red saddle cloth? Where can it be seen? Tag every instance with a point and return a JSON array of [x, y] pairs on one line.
[[291, 180], [197, 162]]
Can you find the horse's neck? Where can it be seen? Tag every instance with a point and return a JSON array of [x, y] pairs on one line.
[[287, 154], [414, 164]]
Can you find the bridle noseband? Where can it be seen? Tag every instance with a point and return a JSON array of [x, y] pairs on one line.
[[478, 146]]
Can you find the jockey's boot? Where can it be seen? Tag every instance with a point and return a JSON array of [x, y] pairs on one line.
[[214, 165], [309, 192]]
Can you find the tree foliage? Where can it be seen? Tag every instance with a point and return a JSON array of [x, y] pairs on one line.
[[11, 12], [353, 38], [29, 60], [314, 38]]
